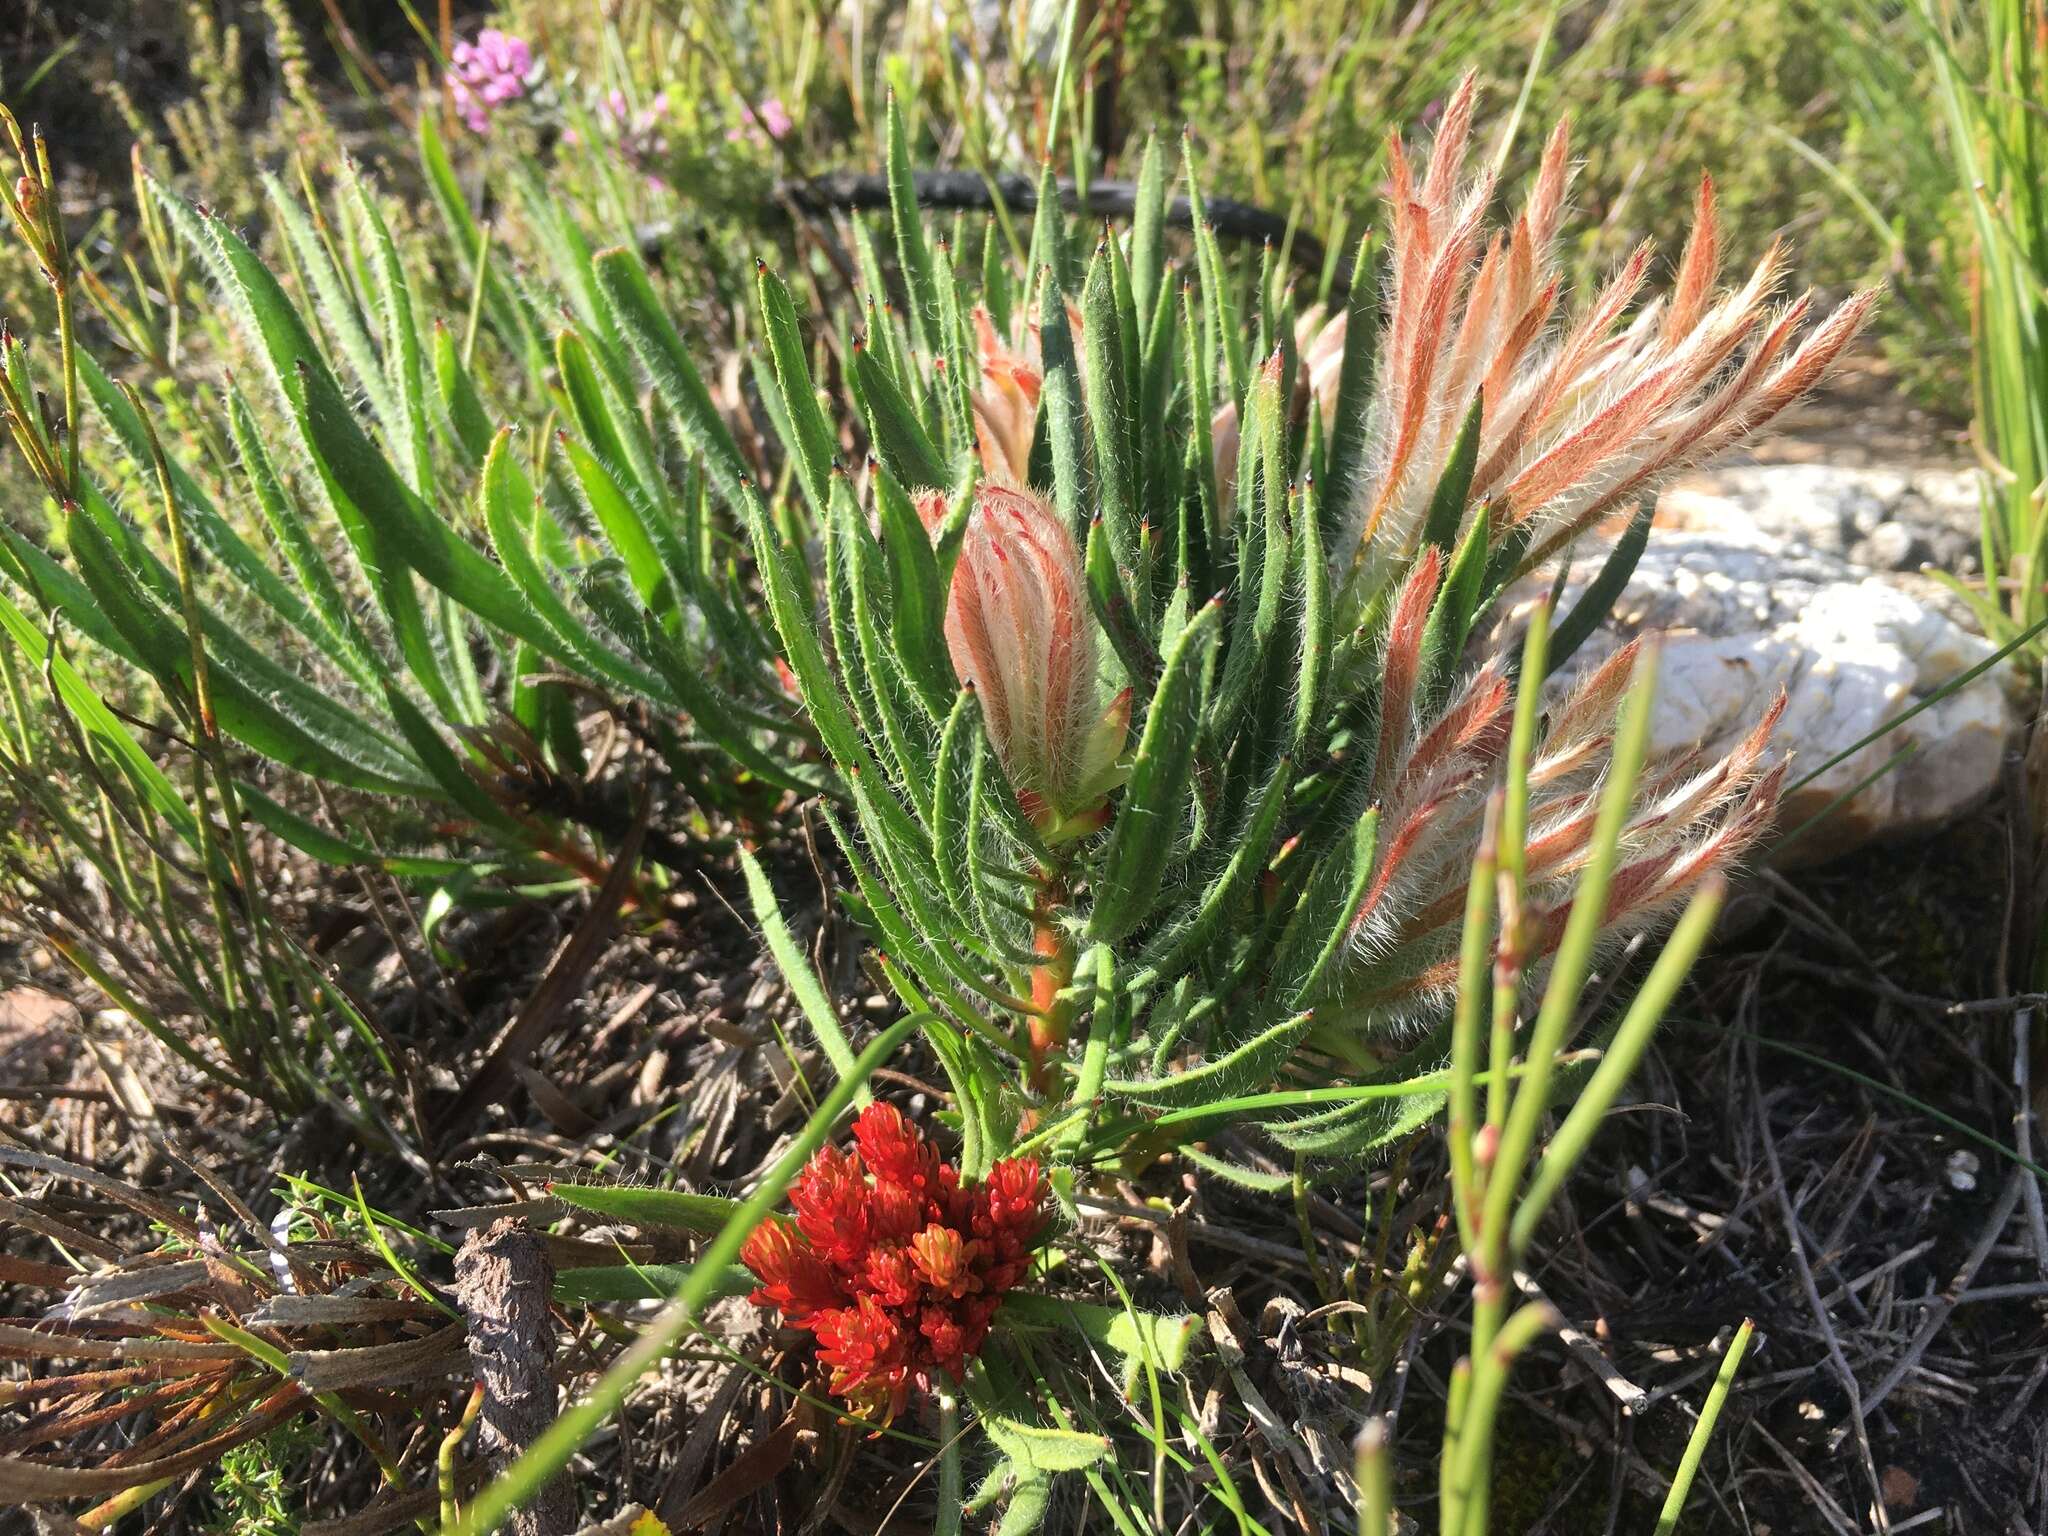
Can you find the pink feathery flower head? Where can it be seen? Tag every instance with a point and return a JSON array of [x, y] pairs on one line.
[[1022, 634], [1580, 412], [488, 73], [1692, 815]]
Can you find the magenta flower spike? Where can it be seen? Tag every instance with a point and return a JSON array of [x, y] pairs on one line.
[[488, 73]]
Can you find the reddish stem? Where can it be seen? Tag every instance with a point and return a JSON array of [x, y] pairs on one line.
[[1052, 1015]]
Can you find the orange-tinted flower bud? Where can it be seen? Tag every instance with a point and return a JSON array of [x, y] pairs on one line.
[[1021, 633]]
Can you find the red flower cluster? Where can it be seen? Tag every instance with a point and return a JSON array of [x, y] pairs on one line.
[[891, 1263]]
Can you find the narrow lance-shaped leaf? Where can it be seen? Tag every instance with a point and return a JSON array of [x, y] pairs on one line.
[[841, 532], [1060, 402], [881, 313], [1320, 926], [811, 439], [1454, 487], [998, 292], [334, 303], [1450, 619], [1347, 444], [1599, 598], [550, 218], [1148, 227], [1220, 311], [952, 804], [626, 524], [653, 339], [1159, 456], [797, 972], [912, 254], [1261, 568], [404, 365], [318, 843], [1149, 812], [918, 592], [1109, 417], [649, 1209], [938, 973], [1354, 1130], [467, 418], [1198, 365], [1312, 572], [1112, 607], [1050, 247], [954, 366], [900, 438], [1253, 1062], [587, 403]]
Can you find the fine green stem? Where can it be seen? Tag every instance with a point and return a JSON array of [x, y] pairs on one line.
[[950, 1483], [1703, 1431]]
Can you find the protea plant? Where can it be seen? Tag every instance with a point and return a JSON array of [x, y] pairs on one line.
[[1107, 499]]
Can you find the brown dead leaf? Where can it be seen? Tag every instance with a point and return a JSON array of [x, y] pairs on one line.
[[752, 1470]]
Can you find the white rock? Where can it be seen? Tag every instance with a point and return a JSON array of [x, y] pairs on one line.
[[1742, 614], [1887, 519]]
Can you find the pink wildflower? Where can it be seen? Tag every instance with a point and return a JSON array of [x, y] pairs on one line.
[[488, 73], [1583, 412], [768, 119]]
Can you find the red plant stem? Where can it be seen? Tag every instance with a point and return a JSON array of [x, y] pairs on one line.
[[1052, 1017]]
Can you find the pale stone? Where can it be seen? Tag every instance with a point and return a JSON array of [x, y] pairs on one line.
[[1742, 614], [1887, 519]]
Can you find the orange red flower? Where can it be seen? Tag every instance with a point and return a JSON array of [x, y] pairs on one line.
[[891, 1263]]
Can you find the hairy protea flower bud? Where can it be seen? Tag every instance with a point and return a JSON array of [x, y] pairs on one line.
[[1577, 418], [1022, 635], [1691, 817], [1005, 400], [892, 1312]]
